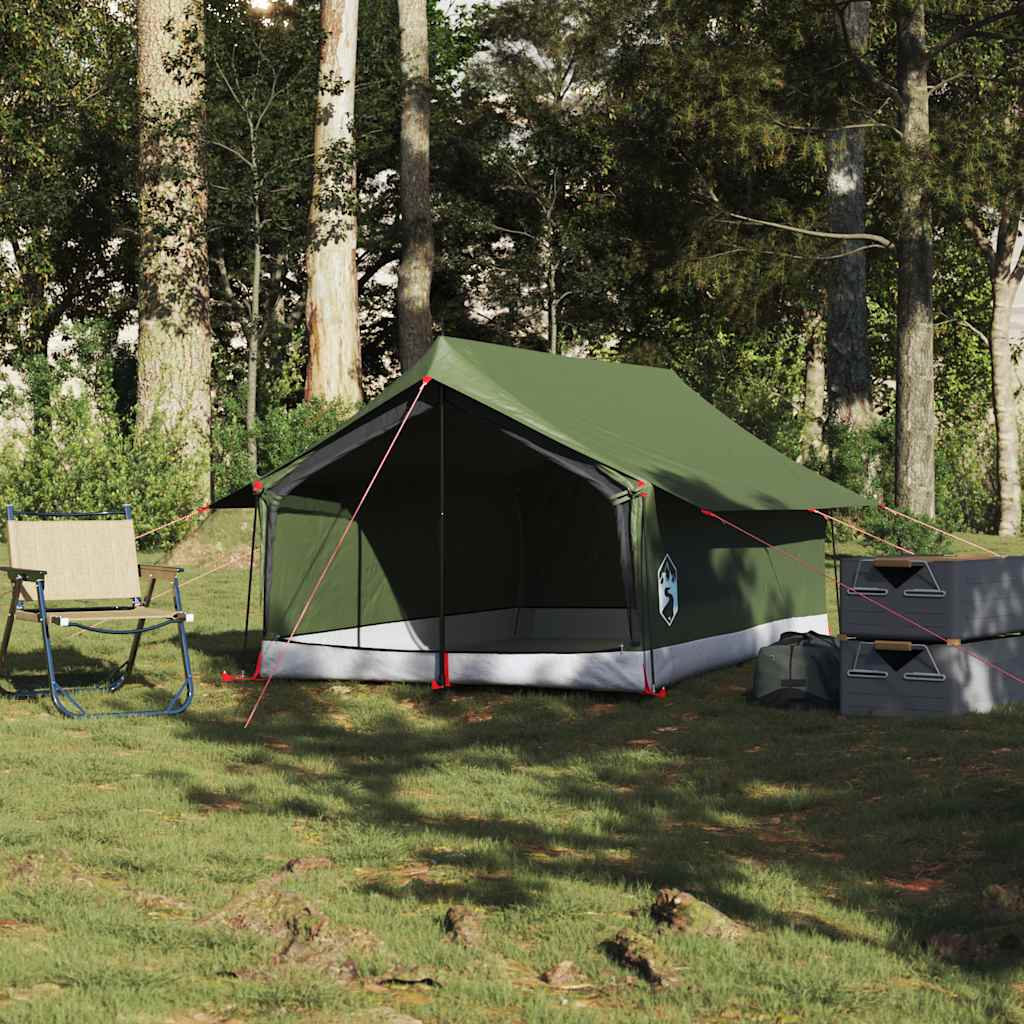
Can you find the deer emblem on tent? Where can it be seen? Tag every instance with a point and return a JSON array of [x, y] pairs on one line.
[[668, 590]]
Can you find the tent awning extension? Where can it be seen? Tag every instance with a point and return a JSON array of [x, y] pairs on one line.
[[637, 420]]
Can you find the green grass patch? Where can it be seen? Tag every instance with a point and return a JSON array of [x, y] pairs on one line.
[[128, 846]]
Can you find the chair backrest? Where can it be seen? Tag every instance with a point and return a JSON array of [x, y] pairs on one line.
[[84, 559]]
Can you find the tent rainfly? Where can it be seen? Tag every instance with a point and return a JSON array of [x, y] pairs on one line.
[[538, 523]]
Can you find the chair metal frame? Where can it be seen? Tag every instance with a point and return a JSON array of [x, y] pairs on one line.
[[140, 609]]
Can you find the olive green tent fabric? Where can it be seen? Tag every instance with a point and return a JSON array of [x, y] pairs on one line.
[[726, 581], [519, 527], [636, 420]]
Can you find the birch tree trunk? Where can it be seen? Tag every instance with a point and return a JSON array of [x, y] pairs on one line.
[[334, 371], [175, 339], [416, 268], [848, 364], [255, 330], [915, 370], [814, 394], [1006, 268], [552, 304]]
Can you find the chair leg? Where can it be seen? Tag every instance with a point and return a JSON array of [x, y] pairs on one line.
[[15, 592], [130, 664], [57, 692], [186, 692]]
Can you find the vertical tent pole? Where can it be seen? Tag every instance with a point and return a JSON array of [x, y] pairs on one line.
[[835, 567], [442, 538], [252, 559]]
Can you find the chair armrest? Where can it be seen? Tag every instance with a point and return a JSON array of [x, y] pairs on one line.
[[159, 572], [22, 574]]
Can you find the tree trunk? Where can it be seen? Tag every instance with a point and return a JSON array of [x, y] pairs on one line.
[[255, 327], [334, 371], [175, 340], [551, 284], [915, 369], [1005, 284], [416, 268], [814, 394], [848, 363]]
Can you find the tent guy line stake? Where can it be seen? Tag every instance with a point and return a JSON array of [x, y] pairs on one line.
[[852, 526], [850, 590], [945, 533], [341, 540]]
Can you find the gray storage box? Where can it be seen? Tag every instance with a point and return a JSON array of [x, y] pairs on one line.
[[961, 598], [894, 677]]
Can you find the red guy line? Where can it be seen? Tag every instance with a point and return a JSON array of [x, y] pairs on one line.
[[180, 519], [851, 590], [341, 540]]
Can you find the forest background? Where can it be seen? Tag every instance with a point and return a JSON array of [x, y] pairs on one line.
[[223, 225]]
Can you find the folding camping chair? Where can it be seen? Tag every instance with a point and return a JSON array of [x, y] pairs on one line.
[[88, 557]]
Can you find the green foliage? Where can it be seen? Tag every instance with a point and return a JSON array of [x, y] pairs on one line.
[[87, 462], [67, 167], [965, 486], [752, 378], [282, 432], [920, 539]]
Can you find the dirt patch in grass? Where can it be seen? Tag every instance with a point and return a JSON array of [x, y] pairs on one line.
[[639, 954], [203, 1017], [21, 930], [464, 926], [567, 977], [157, 905], [1002, 943], [397, 877], [25, 871], [31, 993]]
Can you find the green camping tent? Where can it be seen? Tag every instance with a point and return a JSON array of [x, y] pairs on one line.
[[537, 523]]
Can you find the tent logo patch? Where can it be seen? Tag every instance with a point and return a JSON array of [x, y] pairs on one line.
[[668, 590]]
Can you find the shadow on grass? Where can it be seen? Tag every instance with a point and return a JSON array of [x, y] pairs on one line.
[[696, 792], [88, 676], [229, 648]]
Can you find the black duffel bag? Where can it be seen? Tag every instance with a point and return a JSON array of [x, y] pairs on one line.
[[798, 670]]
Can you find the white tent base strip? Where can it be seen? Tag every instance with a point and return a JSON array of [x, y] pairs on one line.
[[329, 656]]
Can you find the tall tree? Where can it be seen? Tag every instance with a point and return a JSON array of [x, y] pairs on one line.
[[982, 188], [261, 97], [174, 349], [1002, 251], [915, 361], [332, 296], [543, 81], [848, 367], [417, 264]]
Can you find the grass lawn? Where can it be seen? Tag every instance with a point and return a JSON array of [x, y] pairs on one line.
[[142, 861]]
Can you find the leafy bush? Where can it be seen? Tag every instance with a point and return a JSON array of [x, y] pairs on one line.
[[966, 484], [85, 462], [922, 540], [966, 489], [281, 433]]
